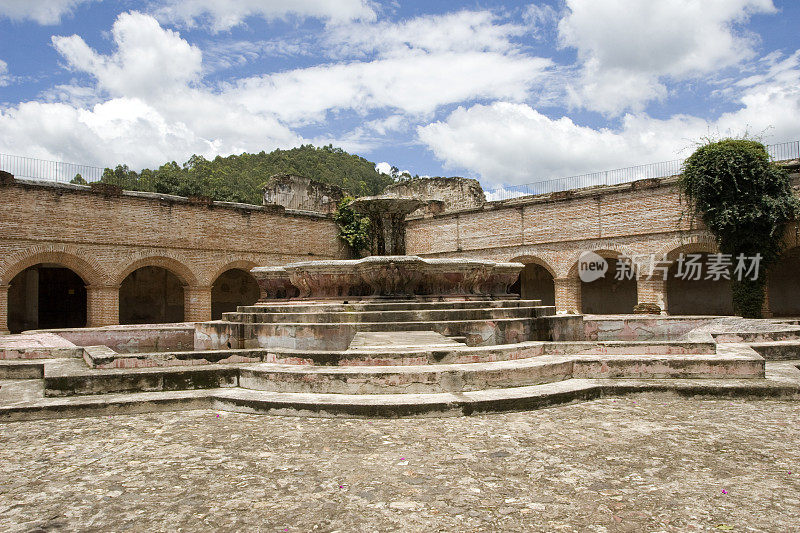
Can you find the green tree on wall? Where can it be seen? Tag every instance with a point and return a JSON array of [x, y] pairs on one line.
[[745, 200], [239, 178], [353, 228]]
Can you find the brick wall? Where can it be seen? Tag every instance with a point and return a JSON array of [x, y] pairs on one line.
[[105, 237], [640, 218]]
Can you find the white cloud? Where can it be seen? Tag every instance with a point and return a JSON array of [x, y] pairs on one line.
[[627, 47], [149, 59], [416, 84], [222, 15], [5, 78], [46, 12], [464, 31], [514, 143], [148, 106], [384, 168]]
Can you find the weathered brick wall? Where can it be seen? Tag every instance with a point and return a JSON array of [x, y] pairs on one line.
[[104, 238], [642, 218]]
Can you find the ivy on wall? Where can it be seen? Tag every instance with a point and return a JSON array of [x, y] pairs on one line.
[[353, 228], [745, 200]]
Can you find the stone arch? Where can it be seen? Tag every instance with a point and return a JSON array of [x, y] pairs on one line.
[[607, 295], [695, 243], [536, 281], [536, 260], [175, 265], [695, 297], [241, 264], [784, 284], [88, 269], [233, 287]]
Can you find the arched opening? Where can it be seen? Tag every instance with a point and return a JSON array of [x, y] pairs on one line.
[[608, 295], [233, 288], [697, 296], [784, 284], [151, 295], [46, 296], [535, 282]]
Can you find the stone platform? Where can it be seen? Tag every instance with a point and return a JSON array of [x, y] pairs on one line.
[[400, 372], [321, 325]]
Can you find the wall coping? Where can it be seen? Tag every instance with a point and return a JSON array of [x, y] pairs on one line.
[[792, 166], [170, 198]]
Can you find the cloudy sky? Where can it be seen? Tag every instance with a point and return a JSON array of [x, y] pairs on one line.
[[506, 92]]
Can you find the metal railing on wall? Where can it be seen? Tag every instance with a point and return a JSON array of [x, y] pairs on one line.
[[41, 169], [778, 152]]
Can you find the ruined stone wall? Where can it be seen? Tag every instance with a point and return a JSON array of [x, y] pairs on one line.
[[455, 194], [104, 237], [301, 193]]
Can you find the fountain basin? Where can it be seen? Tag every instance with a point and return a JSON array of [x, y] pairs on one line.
[[391, 276]]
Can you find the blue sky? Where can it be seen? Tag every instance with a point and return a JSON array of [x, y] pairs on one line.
[[506, 92]]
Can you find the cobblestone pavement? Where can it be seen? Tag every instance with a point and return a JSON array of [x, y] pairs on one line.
[[638, 463]]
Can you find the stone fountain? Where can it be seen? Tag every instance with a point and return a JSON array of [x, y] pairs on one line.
[[323, 305], [387, 221]]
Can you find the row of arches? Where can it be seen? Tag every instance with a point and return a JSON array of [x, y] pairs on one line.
[[52, 295], [685, 297]]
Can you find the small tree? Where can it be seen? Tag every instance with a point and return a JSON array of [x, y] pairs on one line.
[[745, 200], [78, 180], [353, 228]]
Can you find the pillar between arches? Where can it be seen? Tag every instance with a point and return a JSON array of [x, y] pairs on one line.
[[196, 303], [4, 309], [653, 290], [102, 303], [568, 295]]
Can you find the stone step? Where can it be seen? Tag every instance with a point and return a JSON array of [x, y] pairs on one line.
[[419, 315], [390, 405], [109, 381], [405, 356], [409, 379], [35, 345], [778, 350], [310, 336], [22, 369], [304, 306], [784, 334]]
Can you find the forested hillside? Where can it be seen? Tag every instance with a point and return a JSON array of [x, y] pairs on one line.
[[239, 178]]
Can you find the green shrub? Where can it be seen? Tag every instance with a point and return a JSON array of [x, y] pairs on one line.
[[745, 200], [353, 228]]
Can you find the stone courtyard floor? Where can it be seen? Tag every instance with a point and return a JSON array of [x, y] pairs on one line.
[[651, 462]]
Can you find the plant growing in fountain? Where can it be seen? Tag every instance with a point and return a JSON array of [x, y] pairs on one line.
[[353, 228]]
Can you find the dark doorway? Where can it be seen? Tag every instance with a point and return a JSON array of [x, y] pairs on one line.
[[784, 284], [608, 295], [233, 288], [46, 296], [536, 283], [698, 297], [151, 295]]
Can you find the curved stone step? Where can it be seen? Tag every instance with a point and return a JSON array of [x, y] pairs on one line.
[[405, 356], [391, 405], [66, 381], [429, 315], [332, 336], [302, 306]]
